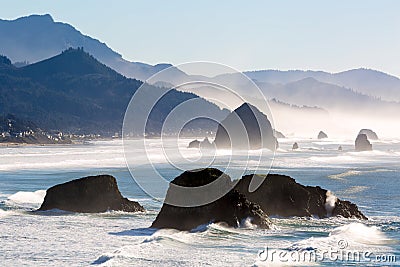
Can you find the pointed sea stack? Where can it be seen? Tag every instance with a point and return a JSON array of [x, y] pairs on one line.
[[362, 143], [246, 128], [322, 135]]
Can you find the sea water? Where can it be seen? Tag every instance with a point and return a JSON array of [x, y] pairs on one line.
[[368, 179]]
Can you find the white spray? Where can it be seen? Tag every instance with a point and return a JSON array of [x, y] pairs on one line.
[[330, 202]]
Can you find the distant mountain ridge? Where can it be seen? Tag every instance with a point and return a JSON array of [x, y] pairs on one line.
[[365, 81], [24, 39], [38, 37]]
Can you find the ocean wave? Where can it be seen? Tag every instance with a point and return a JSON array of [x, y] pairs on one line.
[[356, 172], [355, 189], [169, 235], [354, 235], [5, 213]]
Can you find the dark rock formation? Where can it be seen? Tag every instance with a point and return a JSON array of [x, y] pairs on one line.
[[246, 128], [282, 196], [89, 194], [322, 135], [347, 210], [295, 146], [371, 135], [279, 134], [201, 144], [206, 143], [362, 143], [194, 144], [277, 195], [230, 209]]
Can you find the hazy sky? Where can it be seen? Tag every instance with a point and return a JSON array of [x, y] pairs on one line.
[[247, 35]]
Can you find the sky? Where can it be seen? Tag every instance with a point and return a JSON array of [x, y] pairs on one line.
[[248, 35]]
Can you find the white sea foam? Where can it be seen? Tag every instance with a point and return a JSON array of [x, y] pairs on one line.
[[355, 189], [354, 235], [169, 235], [361, 234], [22, 197], [5, 213], [247, 223], [355, 173]]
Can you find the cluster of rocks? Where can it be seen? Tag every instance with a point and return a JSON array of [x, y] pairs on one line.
[[362, 142], [278, 195]]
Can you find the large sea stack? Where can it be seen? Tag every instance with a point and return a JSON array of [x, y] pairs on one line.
[[362, 143], [246, 128], [88, 195], [231, 209]]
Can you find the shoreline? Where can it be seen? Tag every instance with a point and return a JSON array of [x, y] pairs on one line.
[[74, 142]]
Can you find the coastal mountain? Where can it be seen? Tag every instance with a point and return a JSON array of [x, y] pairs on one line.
[[37, 37], [74, 92], [24, 40], [365, 81]]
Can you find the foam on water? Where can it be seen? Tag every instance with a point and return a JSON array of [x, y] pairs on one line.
[[5, 213], [361, 234], [355, 189], [352, 236], [170, 235], [356, 172], [22, 197]]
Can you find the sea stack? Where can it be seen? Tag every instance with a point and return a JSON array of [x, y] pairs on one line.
[[281, 195], [194, 144], [88, 195], [246, 128], [371, 135], [205, 144], [295, 146], [231, 209], [322, 135], [362, 143]]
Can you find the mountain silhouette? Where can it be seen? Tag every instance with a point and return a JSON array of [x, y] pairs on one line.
[[38, 37], [74, 92]]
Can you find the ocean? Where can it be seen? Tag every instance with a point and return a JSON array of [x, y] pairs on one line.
[[57, 238]]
